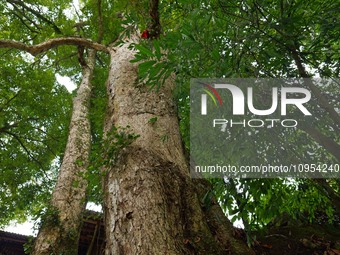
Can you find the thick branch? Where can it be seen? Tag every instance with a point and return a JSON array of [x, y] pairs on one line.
[[52, 43]]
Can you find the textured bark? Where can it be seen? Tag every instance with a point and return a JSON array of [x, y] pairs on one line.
[[152, 206], [59, 234]]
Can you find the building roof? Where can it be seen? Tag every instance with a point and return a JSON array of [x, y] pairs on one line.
[[12, 244], [91, 237]]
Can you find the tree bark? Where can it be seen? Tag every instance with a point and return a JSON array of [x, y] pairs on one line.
[[59, 233], [152, 206], [52, 43]]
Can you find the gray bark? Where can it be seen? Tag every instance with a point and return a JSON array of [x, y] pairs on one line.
[[152, 206], [59, 233]]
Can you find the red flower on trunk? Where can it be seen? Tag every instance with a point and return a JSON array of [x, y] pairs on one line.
[[145, 34]]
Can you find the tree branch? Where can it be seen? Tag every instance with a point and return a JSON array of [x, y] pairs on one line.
[[293, 50], [52, 43], [320, 97], [5, 105], [36, 13], [329, 192], [100, 21], [14, 125], [24, 23], [29, 154], [154, 26]]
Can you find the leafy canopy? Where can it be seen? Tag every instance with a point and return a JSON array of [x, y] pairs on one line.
[[203, 38]]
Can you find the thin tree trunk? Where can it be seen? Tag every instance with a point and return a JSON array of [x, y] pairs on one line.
[[152, 206], [59, 233]]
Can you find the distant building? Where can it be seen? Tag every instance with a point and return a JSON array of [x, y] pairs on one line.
[[91, 241]]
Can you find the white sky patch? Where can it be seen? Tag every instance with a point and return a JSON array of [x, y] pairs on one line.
[[238, 223], [27, 57], [94, 207], [73, 11], [66, 81], [25, 228]]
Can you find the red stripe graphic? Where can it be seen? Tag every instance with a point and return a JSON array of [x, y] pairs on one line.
[[214, 91]]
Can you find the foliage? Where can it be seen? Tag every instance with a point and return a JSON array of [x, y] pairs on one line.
[[34, 108], [117, 139], [34, 115], [97, 117], [234, 39], [239, 39]]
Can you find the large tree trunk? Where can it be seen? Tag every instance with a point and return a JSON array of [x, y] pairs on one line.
[[59, 233], [152, 206]]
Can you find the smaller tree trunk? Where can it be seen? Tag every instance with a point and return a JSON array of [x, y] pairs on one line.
[[60, 229]]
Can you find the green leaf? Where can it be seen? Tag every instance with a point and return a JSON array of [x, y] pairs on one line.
[[144, 50], [157, 47], [153, 120], [145, 67]]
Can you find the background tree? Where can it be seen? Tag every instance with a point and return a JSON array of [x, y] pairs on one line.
[[61, 223], [32, 132]]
